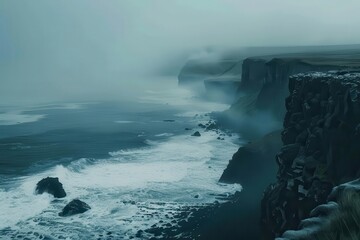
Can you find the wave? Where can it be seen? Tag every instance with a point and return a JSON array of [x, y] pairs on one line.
[[123, 188]]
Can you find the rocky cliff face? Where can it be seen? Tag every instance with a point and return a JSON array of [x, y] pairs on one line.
[[270, 79], [223, 91], [321, 145], [253, 74]]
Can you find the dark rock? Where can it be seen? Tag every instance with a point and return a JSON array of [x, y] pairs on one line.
[[302, 137], [322, 122], [287, 154], [169, 120], [74, 207], [211, 126], [256, 156], [289, 135], [196, 134], [201, 125], [188, 129], [52, 186]]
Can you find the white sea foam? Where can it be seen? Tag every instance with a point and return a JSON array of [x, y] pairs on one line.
[[23, 115], [20, 204], [18, 117], [160, 178], [164, 135], [123, 121]]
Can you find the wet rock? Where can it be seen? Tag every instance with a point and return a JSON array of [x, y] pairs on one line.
[[52, 186], [201, 125], [211, 126], [196, 134], [169, 120], [74, 207]]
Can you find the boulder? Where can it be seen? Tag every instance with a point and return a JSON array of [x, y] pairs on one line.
[[74, 207], [196, 134], [52, 186]]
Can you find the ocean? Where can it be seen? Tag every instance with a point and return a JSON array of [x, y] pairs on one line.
[[132, 161]]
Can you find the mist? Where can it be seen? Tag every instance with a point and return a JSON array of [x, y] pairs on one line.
[[112, 50]]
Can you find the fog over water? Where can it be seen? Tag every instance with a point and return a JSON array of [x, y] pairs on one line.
[[100, 50]]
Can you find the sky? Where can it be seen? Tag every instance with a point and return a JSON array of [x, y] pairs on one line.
[[90, 49]]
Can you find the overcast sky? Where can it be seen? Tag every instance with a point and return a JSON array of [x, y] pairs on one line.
[[59, 50]]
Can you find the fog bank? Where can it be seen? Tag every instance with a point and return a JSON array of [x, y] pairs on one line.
[[87, 49]]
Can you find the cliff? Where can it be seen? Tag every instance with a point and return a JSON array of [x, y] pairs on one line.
[[195, 71], [274, 90], [321, 147], [267, 78], [221, 90], [253, 75], [256, 156]]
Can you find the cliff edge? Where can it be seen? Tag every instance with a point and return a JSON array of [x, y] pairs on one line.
[[321, 147]]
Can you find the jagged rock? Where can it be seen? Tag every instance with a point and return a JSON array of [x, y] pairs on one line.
[[289, 135], [256, 156], [52, 186], [196, 134], [302, 137], [74, 207], [287, 154], [211, 126]]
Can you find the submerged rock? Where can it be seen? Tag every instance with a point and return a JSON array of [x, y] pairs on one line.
[[52, 186], [74, 207], [196, 134]]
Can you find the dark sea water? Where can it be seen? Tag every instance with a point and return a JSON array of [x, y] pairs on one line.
[[133, 162]]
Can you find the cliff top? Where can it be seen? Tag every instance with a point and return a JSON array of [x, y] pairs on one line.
[[347, 77], [332, 58]]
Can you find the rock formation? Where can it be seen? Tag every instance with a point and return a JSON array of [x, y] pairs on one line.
[[52, 186], [253, 75], [267, 78], [339, 218], [254, 157], [196, 134], [321, 149], [221, 90], [74, 207]]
